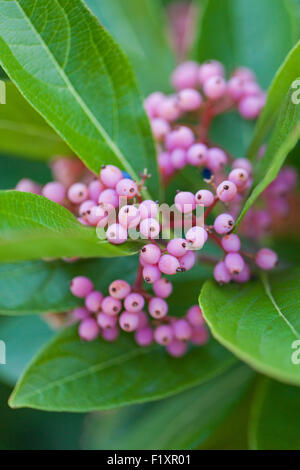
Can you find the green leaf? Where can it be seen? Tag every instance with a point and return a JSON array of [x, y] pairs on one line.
[[258, 322], [14, 169], [185, 421], [24, 133], [71, 375], [283, 139], [44, 287], [280, 86], [82, 84], [233, 32], [33, 227], [275, 417], [139, 26]]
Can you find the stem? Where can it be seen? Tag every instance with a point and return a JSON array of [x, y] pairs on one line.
[[210, 208]]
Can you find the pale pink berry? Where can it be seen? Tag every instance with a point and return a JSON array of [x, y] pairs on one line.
[[208, 70], [88, 329], [168, 264], [110, 334], [177, 247], [226, 191], [158, 308], [185, 202], [144, 336], [151, 273], [234, 263], [143, 319], [244, 164], [204, 197], [129, 321], [197, 154], [78, 192], [150, 253], [150, 228], [250, 107], [81, 286], [224, 223], [182, 137], [187, 261], [199, 336], [177, 348], [86, 206], [116, 234], [182, 329], [214, 87], [231, 243], [110, 175], [54, 191], [148, 209], [239, 177], [106, 321], [152, 104], [221, 273], [216, 159], [235, 88], [169, 109], [194, 316], [129, 216], [95, 189], [134, 302], [127, 187], [189, 99], [178, 158], [98, 215], [266, 259], [82, 221], [185, 75], [162, 288], [79, 313], [196, 237], [165, 164], [28, 186], [93, 301], [109, 196], [163, 334], [243, 276], [244, 73], [160, 128], [111, 306], [119, 289]]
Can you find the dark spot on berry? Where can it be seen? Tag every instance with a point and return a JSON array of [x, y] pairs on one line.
[[103, 166], [147, 279], [199, 196], [131, 190], [115, 309], [134, 304], [230, 223], [226, 187], [114, 289], [144, 249], [183, 245], [126, 325], [126, 210]]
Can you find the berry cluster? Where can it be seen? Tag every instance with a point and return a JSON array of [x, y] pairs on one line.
[[123, 308]]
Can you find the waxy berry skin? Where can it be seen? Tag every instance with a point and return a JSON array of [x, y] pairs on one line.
[[197, 154], [119, 289], [111, 306], [187, 261], [116, 234], [54, 191], [185, 202], [177, 247], [226, 191], [163, 334], [88, 329], [208, 70], [78, 192], [182, 329], [196, 237], [110, 334], [150, 253], [148, 209], [129, 216], [106, 321], [150, 228], [189, 99], [127, 188], [234, 263], [221, 273], [266, 259], [204, 197], [134, 302], [214, 87], [176, 348], [79, 313], [194, 316], [162, 288], [239, 177], [144, 336], [181, 138], [151, 273], [168, 264], [129, 321], [216, 159], [109, 196], [231, 243], [110, 176], [160, 128], [224, 223], [27, 186], [185, 75], [81, 286], [158, 308], [93, 301]]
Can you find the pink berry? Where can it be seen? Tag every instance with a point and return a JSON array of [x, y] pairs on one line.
[[85, 206], [178, 158], [127, 187], [185, 75], [106, 321], [197, 154], [214, 87], [194, 316], [81, 286], [150, 228], [109, 196], [168, 264], [165, 164], [110, 175], [243, 276], [28, 186], [119, 289], [93, 301], [95, 189], [134, 302], [158, 308], [160, 128], [176, 348], [226, 191], [111, 306], [185, 202], [200, 336], [239, 177], [143, 319], [216, 159], [177, 247], [110, 334], [162, 288], [234, 263], [150, 253], [182, 329], [169, 109], [210, 69], [250, 107], [187, 261], [235, 88], [182, 137], [144, 336], [189, 99], [231, 243], [266, 259], [88, 329], [204, 197], [78, 192], [244, 164], [129, 321], [152, 104], [224, 223], [148, 209], [163, 334], [79, 313], [98, 215], [221, 274], [129, 216], [196, 237], [244, 73], [55, 192], [116, 234], [151, 273]]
